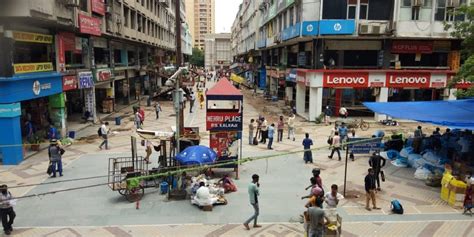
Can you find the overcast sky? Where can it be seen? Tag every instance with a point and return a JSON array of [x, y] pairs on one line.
[[226, 10]]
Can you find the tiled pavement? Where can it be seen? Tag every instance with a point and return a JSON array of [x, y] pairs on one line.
[[426, 214]]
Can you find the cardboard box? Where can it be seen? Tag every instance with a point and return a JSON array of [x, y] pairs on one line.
[[207, 208]]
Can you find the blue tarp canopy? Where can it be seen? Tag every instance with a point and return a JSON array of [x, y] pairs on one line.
[[451, 113]]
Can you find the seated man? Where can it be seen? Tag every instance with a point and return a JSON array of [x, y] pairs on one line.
[[203, 196], [227, 184]]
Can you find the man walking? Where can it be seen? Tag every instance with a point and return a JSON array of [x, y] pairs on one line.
[[55, 153], [336, 145], [308, 155], [377, 162], [191, 102], [157, 109], [254, 192], [105, 135], [6, 209], [327, 115], [343, 133], [271, 132], [280, 126], [370, 189], [264, 128], [291, 126], [138, 120]]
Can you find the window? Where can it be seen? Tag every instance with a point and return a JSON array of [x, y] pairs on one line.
[[126, 12], [290, 23], [448, 13], [32, 53], [415, 13], [133, 21], [83, 5], [351, 9], [118, 57], [364, 8], [131, 58], [101, 57]]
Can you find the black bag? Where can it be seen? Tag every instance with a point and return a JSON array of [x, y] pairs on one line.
[[49, 171], [382, 175], [397, 207], [255, 141], [99, 132], [62, 151], [143, 142], [329, 140]]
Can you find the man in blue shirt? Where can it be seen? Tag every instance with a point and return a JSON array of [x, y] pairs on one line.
[[307, 143], [343, 134], [271, 131]]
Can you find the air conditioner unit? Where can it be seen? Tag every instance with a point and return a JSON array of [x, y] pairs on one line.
[[417, 3], [364, 29], [453, 3], [377, 29]]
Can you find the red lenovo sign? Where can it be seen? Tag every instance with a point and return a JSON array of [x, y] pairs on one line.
[[89, 25], [408, 79], [463, 84], [412, 47], [347, 79]]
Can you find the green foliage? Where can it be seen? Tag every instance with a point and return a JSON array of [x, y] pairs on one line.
[[197, 59], [464, 30]]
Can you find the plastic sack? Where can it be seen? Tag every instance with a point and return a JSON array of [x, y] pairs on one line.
[[412, 160], [422, 173], [392, 154], [431, 157], [399, 163], [406, 151]]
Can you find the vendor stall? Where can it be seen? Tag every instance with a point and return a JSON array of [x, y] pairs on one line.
[[224, 116]]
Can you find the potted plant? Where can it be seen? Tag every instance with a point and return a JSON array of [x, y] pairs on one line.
[[36, 140]]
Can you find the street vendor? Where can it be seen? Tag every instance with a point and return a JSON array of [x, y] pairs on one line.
[[227, 184], [203, 196]]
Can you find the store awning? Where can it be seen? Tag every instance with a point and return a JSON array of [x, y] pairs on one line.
[[451, 113], [224, 90]]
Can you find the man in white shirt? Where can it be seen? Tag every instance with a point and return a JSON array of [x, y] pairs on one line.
[[332, 198], [343, 112], [291, 126], [203, 196], [104, 133]]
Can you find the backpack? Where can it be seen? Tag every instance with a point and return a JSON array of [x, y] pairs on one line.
[[397, 208], [99, 132]]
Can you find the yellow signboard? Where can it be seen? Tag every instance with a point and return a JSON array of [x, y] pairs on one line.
[[32, 67], [32, 37], [237, 79]]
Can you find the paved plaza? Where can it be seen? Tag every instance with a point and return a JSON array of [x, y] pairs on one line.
[[99, 211]]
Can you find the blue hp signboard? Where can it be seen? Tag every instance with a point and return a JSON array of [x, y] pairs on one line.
[[336, 27], [310, 28], [291, 32], [364, 147]]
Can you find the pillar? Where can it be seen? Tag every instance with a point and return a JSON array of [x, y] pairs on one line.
[[289, 93], [300, 98], [315, 102], [11, 149], [381, 97], [450, 94]]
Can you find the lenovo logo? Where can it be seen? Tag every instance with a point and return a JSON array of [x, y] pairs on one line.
[[408, 80], [346, 80]]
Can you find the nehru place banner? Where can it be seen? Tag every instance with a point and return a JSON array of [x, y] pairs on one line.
[[224, 121]]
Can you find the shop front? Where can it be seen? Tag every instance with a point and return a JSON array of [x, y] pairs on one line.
[[317, 89], [86, 87], [121, 87], [104, 90], [35, 99]]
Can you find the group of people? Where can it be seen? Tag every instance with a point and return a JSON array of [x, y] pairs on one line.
[[260, 130]]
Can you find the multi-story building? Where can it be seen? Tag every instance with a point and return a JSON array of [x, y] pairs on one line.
[[217, 51], [335, 53], [67, 60], [202, 20]]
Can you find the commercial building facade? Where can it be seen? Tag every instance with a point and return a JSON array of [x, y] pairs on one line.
[[217, 51], [202, 20], [70, 58], [343, 52]]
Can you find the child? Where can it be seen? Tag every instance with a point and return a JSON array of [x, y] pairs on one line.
[[468, 200]]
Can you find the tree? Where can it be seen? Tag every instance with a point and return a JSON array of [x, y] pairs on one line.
[[197, 59], [464, 30]]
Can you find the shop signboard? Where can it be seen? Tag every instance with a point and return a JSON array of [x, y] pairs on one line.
[[408, 79], [10, 110], [70, 82], [32, 37], [85, 80], [103, 74], [89, 25], [463, 84], [346, 79], [377, 80], [438, 82], [224, 121], [412, 46], [30, 86], [20, 68], [98, 6], [291, 32], [336, 27], [291, 75], [310, 28]]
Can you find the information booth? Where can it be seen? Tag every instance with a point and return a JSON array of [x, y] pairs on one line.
[[224, 116]]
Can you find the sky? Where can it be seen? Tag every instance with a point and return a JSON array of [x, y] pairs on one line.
[[226, 10]]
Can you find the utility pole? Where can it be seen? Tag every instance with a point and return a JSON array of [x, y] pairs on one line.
[[179, 111]]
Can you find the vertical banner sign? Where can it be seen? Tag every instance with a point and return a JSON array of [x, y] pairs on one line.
[[225, 144]]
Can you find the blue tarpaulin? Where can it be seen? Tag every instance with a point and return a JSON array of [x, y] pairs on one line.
[[450, 113]]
